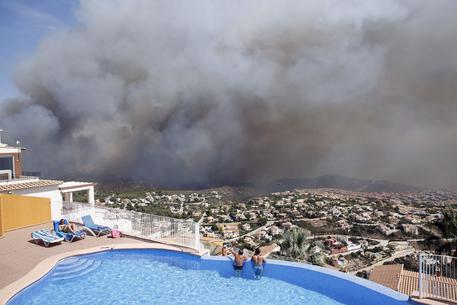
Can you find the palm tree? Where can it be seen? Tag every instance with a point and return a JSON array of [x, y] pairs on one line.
[[295, 244]]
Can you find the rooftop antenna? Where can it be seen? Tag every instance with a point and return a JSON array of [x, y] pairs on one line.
[[1, 132]]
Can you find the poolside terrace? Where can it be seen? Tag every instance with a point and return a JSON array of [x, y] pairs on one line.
[[19, 254]]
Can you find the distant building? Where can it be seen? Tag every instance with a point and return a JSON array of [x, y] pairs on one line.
[[246, 227], [231, 228], [410, 229], [274, 230], [339, 249], [286, 225], [353, 247]]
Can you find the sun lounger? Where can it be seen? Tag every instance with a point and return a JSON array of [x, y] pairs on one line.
[[46, 237], [68, 236], [96, 229]]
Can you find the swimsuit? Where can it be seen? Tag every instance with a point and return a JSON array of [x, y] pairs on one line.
[[258, 270], [238, 267]]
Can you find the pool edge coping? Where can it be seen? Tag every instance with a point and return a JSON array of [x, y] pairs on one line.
[[46, 265]]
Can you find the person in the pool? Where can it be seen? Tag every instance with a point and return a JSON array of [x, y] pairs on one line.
[[239, 261], [258, 261], [224, 250], [67, 227]]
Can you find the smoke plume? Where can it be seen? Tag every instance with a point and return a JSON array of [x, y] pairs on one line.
[[224, 92]]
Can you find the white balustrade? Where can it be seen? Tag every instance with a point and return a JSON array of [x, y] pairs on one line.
[[160, 228], [438, 277]]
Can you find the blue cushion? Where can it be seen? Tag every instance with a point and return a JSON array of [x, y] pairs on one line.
[[67, 236]]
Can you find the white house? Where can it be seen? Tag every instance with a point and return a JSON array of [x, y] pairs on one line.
[[12, 181]]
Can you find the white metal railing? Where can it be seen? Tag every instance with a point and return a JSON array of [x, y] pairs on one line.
[[19, 179], [161, 228], [438, 277]]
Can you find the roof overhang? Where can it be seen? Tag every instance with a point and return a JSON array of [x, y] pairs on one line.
[[10, 150], [28, 185], [75, 186]]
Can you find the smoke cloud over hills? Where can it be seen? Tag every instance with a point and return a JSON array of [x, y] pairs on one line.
[[224, 92]]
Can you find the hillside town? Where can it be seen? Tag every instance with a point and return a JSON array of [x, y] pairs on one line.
[[347, 230]]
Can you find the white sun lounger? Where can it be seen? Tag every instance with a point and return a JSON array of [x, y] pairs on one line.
[[46, 237]]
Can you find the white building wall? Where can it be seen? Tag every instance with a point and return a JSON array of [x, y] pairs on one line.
[[51, 192]]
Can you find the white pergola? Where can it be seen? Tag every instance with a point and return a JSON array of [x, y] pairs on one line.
[[68, 188]]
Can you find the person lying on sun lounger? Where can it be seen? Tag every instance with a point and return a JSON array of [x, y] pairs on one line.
[[67, 227]]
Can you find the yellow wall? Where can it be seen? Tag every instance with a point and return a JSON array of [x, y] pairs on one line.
[[22, 211]]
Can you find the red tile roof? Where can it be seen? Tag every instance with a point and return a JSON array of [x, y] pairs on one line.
[[407, 282], [387, 275]]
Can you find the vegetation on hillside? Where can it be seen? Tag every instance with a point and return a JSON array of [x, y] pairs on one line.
[[449, 223]]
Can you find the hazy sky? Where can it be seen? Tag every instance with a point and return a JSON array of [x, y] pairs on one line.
[[224, 92], [23, 23]]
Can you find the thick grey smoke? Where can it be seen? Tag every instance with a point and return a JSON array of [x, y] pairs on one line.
[[232, 91]]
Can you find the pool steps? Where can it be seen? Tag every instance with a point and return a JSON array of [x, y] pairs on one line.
[[74, 267]]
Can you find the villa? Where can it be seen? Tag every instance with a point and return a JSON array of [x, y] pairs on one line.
[[13, 181]]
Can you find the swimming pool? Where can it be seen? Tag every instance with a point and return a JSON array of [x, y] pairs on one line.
[[143, 276]]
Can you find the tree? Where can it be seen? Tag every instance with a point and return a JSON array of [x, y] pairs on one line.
[[262, 221], [449, 223], [318, 259], [295, 244]]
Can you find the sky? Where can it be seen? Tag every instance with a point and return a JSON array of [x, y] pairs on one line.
[[23, 24], [232, 91]]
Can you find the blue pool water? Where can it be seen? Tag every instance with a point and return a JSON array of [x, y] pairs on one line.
[[166, 277]]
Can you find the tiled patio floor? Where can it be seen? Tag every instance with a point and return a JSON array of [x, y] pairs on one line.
[[19, 254]]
